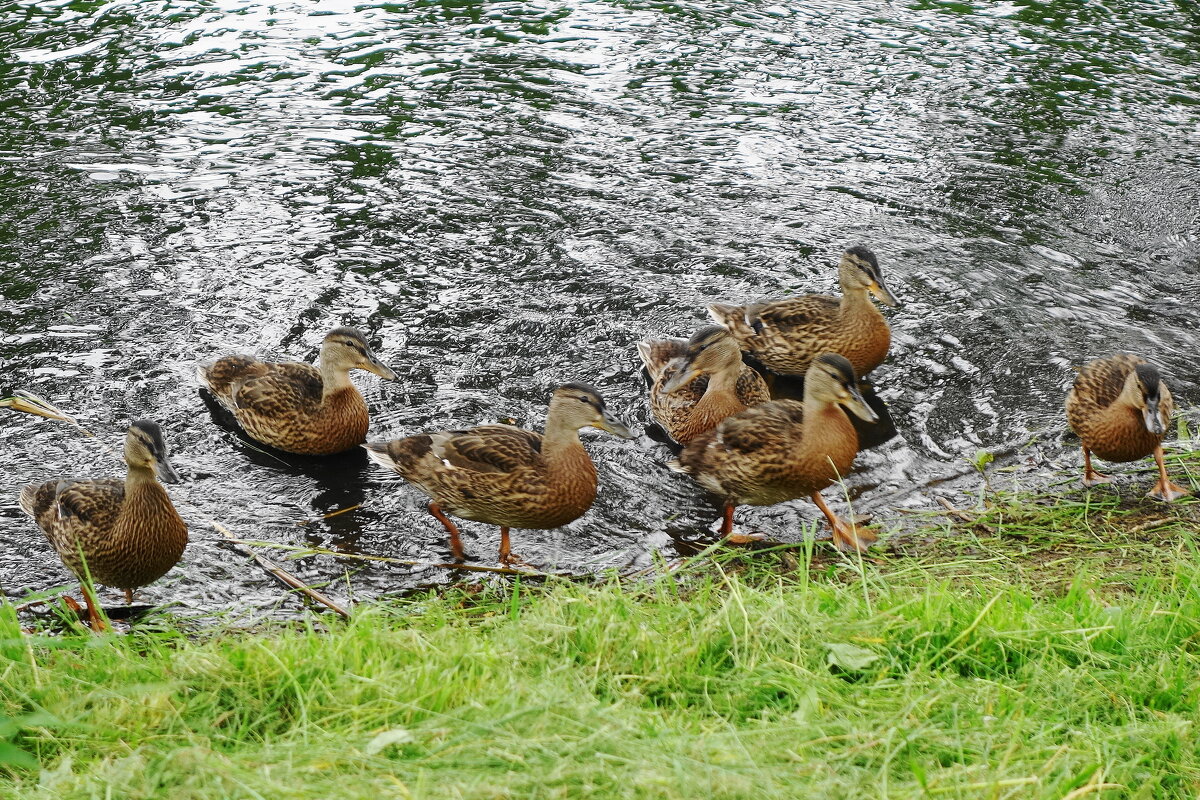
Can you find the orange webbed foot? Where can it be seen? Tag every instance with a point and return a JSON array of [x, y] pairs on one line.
[[1167, 491], [850, 538], [1091, 479], [745, 538]]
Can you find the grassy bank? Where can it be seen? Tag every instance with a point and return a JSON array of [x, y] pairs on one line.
[[1043, 647]]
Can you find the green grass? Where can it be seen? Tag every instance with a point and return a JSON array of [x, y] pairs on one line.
[[1041, 647]]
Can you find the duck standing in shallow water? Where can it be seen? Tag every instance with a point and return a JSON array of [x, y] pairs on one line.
[[124, 534], [1121, 408], [786, 335], [699, 382], [507, 476], [781, 450], [298, 407]]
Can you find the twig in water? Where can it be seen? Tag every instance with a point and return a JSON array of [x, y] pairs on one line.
[[284, 577], [304, 522]]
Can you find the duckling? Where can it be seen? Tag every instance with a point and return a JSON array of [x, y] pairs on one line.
[[697, 383], [124, 534], [298, 407], [1120, 407], [786, 335], [781, 450], [507, 476]]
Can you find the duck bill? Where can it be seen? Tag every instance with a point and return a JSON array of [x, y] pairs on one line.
[[1152, 418], [681, 379], [166, 473], [614, 426], [858, 406], [881, 291], [376, 366]]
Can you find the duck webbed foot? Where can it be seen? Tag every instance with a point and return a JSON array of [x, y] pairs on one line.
[[1165, 490], [1090, 476], [507, 557], [847, 537]]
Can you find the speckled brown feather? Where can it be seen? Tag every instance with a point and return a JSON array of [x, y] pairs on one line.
[[497, 474], [677, 411], [129, 538], [282, 404], [793, 332], [770, 453], [1113, 430]]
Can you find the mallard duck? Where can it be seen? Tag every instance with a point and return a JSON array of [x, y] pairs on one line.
[[1120, 407], [123, 534], [507, 476], [781, 450], [699, 382], [786, 335], [298, 407]]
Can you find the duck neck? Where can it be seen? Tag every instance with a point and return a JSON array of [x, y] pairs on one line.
[[139, 479], [856, 303], [334, 379], [720, 396], [561, 444], [826, 424]]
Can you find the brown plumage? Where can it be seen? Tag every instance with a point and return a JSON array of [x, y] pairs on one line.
[[298, 407], [783, 449], [786, 335], [697, 383], [503, 475], [1121, 408], [128, 532]]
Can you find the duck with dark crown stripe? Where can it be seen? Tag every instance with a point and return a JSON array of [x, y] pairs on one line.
[[699, 382], [298, 407], [781, 450], [786, 335], [124, 534], [507, 476], [1121, 408]]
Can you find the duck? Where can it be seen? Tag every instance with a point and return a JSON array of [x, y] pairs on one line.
[[504, 475], [120, 533], [1121, 409], [699, 382], [782, 450], [295, 407], [784, 336]]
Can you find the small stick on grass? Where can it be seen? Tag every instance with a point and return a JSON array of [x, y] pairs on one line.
[[320, 551], [957, 513], [284, 577]]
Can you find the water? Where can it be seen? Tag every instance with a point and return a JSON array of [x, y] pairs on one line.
[[507, 196]]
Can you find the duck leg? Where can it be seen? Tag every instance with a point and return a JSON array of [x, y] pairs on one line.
[[455, 542], [847, 537], [506, 554], [129, 597], [96, 622], [736, 538], [1090, 476], [1165, 490]]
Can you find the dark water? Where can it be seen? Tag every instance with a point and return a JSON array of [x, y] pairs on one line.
[[507, 196]]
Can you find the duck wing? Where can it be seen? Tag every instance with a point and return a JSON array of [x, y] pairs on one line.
[[488, 448]]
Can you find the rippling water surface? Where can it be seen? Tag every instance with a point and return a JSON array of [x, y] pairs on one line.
[[507, 196]]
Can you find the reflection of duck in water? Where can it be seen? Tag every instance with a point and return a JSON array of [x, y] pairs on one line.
[[507, 476], [124, 534], [1120, 407], [778, 451], [298, 407], [697, 383]]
